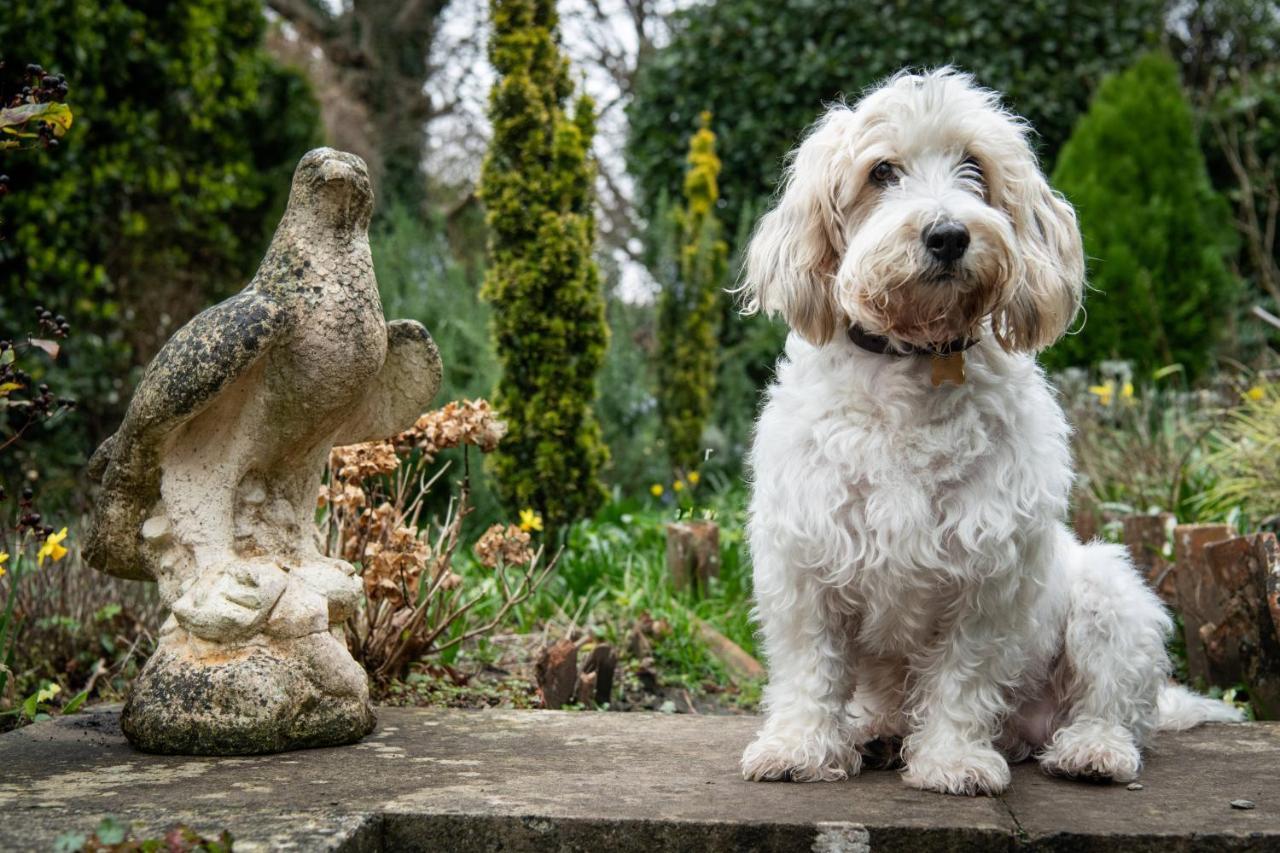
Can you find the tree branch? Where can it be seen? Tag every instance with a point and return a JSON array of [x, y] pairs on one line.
[[313, 24]]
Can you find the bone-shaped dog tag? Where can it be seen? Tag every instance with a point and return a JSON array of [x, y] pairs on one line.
[[948, 368]]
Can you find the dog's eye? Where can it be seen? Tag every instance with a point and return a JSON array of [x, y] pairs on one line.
[[884, 173], [972, 170]]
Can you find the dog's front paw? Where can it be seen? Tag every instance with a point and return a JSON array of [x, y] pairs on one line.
[[800, 757], [1092, 750], [964, 770]]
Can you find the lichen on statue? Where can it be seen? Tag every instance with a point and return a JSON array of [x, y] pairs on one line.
[[209, 486]]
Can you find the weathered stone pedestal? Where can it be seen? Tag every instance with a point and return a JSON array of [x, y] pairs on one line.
[[209, 487], [202, 698]]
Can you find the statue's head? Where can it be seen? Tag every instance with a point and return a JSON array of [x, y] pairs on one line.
[[333, 187]]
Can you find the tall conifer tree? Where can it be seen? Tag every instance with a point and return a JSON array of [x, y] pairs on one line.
[[1156, 235], [688, 310], [549, 323]]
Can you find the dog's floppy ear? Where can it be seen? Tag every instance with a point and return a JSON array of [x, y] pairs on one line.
[[797, 246], [1044, 301]]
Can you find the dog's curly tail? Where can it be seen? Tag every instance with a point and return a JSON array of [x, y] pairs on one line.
[[1179, 708]]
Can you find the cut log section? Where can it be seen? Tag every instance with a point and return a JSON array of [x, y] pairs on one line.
[[595, 684], [1243, 644], [1146, 537], [693, 553], [1199, 599], [557, 674]]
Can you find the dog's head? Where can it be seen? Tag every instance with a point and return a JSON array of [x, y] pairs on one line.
[[918, 214]]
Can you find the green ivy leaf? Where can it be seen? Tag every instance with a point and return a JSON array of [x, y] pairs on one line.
[[57, 115]]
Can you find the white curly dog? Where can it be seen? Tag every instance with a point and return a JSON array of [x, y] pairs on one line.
[[914, 578]]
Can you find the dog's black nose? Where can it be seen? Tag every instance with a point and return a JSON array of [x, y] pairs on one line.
[[946, 241]]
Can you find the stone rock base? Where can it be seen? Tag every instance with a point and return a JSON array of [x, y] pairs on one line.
[[269, 695]]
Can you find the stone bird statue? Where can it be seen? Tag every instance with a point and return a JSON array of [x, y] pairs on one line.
[[209, 486]]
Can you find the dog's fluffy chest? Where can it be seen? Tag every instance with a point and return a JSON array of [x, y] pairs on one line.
[[897, 496]]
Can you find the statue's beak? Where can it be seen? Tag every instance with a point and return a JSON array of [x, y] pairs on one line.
[[336, 170]]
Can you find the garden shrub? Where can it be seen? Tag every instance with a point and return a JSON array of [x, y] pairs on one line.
[[1246, 458], [548, 319], [689, 306], [1156, 235], [627, 407], [419, 279], [164, 192], [766, 67]]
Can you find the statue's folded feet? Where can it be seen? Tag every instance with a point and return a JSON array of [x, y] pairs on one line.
[[231, 602], [336, 582]]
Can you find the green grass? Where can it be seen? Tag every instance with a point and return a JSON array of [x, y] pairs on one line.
[[613, 573]]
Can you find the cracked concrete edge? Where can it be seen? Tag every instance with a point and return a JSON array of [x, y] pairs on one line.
[[371, 832], [530, 833]]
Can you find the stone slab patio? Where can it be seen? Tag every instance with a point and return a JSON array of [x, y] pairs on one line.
[[430, 779]]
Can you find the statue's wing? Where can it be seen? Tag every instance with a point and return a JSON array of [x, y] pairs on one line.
[[402, 390], [201, 359]]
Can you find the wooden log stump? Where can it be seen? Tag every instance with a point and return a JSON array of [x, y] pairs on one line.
[[693, 553], [557, 674], [1243, 645], [1146, 536], [1199, 600], [595, 684]]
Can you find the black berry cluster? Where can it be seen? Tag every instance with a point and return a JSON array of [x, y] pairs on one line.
[[39, 87], [28, 518]]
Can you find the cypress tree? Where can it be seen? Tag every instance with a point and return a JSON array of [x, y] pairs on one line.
[[548, 318], [688, 310], [1156, 235]]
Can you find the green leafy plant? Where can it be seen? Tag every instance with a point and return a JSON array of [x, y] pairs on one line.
[[16, 566], [112, 836], [1156, 235], [542, 282], [689, 306], [1139, 446], [1247, 457]]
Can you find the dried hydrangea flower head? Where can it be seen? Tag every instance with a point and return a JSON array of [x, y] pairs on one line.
[[504, 545], [466, 422]]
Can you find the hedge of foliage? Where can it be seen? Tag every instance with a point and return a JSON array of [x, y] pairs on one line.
[[548, 309], [1156, 234], [160, 198], [765, 68]]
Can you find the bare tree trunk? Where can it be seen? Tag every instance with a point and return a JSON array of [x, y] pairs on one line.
[[373, 70]]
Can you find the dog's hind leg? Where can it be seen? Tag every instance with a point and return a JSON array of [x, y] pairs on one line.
[[1114, 649]]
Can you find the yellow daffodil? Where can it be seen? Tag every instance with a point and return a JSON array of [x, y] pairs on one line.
[[1127, 391], [1255, 393], [656, 490], [530, 520], [694, 477], [678, 486], [4, 558], [52, 547], [1103, 393]]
